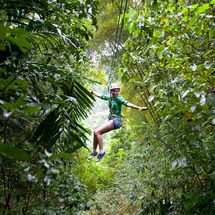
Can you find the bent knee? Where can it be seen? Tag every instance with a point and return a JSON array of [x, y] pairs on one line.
[[96, 132]]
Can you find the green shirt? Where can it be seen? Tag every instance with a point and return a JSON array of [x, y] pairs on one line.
[[115, 104]]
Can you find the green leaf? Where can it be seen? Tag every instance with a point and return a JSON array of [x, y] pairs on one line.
[[192, 21], [67, 156], [184, 19], [31, 108], [185, 10], [19, 32], [194, 7], [21, 42], [13, 152], [211, 33], [203, 8]]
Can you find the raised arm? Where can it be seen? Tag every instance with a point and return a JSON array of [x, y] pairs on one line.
[[136, 107], [96, 94]]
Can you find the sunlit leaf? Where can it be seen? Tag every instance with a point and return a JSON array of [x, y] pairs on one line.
[[203, 8], [193, 67], [184, 94], [151, 98], [202, 100]]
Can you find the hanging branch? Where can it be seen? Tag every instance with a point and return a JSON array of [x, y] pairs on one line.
[[197, 175]]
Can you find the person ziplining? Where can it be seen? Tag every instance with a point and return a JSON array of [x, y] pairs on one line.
[[115, 119]]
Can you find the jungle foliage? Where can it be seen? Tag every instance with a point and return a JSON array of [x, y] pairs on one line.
[[43, 99], [162, 161], [165, 58]]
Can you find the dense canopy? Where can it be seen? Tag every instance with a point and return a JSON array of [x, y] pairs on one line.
[[53, 53]]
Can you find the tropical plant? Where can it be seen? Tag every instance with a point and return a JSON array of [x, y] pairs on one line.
[[167, 62], [43, 97]]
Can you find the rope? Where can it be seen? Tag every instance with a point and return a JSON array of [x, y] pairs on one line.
[[119, 28], [111, 74]]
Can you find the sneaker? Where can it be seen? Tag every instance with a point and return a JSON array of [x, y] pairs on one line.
[[100, 156], [92, 155]]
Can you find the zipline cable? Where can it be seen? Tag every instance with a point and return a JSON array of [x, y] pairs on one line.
[[110, 69], [123, 18], [119, 28]]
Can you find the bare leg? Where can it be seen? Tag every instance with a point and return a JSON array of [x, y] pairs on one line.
[[95, 142], [98, 140]]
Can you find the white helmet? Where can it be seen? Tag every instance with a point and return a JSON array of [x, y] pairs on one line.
[[114, 86]]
